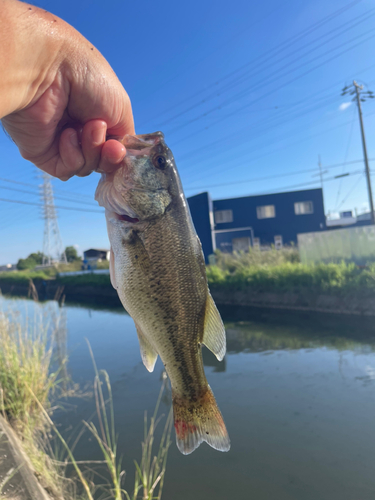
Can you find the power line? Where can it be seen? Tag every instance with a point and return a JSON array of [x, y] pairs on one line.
[[282, 148], [59, 207], [346, 156], [256, 23], [57, 197], [261, 131], [255, 70], [351, 190], [276, 78], [265, 95], [36, 187], [238, 134], [267, 177], [302, 184], [302, 112], [276, 50]]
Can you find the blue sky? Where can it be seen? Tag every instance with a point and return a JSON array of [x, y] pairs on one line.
[[247, 94]]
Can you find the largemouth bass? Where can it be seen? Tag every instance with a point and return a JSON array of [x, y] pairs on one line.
[[158, 270]]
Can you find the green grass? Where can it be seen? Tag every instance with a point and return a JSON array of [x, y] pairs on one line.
[[25, 361], [292, 277], [23, 277], [266, 271], [254, 258]]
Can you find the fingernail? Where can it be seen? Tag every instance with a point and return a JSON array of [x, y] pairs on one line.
[[74, 139], [98, 135]]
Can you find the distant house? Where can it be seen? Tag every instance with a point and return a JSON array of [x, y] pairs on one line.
[[259, 221], [348, 219], [8, 267], [96, 254]]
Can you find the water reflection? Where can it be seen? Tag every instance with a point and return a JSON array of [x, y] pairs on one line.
[[297, 392], [253, 337], [277, 330], [209, 359]]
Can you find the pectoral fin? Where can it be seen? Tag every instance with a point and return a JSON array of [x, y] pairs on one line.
[[148, 354], [214, 332], [112, 268]]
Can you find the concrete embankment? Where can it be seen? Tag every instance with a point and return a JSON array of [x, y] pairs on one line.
[[53, 289], [303, 301], [357, 304], [16, 474]]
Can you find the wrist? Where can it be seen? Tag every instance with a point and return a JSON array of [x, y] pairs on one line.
[[30, 54]]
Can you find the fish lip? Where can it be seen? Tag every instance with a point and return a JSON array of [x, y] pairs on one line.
[[142, 145]]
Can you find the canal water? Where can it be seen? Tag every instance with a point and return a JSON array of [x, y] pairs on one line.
[[297, 392]]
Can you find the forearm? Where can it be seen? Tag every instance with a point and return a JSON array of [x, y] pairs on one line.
[[30, 43]]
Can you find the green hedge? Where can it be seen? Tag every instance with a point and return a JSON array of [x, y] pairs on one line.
[[23, 277]]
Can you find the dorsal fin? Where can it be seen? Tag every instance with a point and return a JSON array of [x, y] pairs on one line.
[[148, 353], [214, 332]]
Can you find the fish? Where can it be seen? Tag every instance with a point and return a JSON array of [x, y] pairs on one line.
[[158, 269]]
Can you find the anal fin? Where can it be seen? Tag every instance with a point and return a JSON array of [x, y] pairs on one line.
[[148, 353], [214, 331]]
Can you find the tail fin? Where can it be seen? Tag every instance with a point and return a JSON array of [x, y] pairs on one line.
[[198, 421]]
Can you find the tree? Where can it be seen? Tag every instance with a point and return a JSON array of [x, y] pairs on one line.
[[38, 257], [71, 254], [28, 263]]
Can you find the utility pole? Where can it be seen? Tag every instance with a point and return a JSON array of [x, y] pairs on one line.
[[52, 244], [360, 96], [321, 176], [320, 171]]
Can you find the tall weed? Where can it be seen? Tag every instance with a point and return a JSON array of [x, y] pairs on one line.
[[292, 277]]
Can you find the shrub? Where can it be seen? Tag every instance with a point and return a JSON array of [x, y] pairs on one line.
[[318, 278]]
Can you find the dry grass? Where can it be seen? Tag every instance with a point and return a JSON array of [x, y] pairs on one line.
[[26, 381], [27, 387]]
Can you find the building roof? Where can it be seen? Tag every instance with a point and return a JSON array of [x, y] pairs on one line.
[[97, 250], [277, 193]]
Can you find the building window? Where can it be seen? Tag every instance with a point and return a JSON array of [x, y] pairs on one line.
[[266, 212], [303, 207], [256, 243], [241, 244], [222, 216], [278, 242]]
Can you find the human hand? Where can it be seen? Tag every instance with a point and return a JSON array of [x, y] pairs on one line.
[[64, 118]]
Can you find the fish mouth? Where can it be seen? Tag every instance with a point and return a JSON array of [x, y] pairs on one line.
[[125, 218]]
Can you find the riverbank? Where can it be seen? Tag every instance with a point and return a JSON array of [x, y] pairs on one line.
[[17, 476], [331, 288]]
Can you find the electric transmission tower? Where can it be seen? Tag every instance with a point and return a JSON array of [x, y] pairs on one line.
[[360, 95], [52, 245]]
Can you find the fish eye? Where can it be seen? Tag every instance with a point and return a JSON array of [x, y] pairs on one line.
[[160, 162]]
